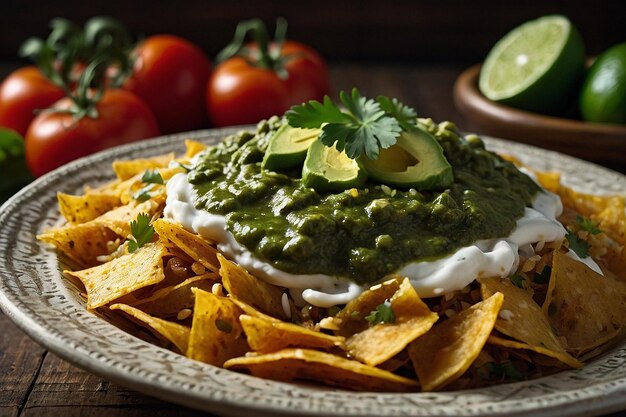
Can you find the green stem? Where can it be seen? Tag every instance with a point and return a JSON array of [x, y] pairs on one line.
[[101, 44], [256, 29], [84, 100]]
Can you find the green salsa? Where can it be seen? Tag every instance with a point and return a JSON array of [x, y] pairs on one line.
[[365, 233]]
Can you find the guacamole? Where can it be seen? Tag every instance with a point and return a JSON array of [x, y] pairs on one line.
[[365, 233]]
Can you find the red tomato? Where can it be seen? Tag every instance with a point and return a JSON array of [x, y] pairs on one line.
[[240, 93], [55, 138], [170, 76], [22, 93]]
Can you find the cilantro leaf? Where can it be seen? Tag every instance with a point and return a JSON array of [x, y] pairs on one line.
[[405, 115], [183, 166], [579, 246], [314, 114], [149, 177], [383, 314], [587, 225], [143, 194], [152, 177], [517, 280], [363, 128], [141, 231]]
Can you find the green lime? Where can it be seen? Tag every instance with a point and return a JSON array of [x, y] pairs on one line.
[[537, 66], [603, 96]]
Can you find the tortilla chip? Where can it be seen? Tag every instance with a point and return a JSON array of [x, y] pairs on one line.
[[607, 210], [169, 301], [448, 349], [351, 319], [582, 305], [193, 148], [251, 290], [176, 333], [195, 246], [119, 189], [313, 365], [270, 336], [550, 360], [216, 334], [612, 220], [82, 244], [121, 276], [128, 169], [119, 218], [523, 320], [81, 209], [106, 188], [251, 311], [395, 363], [383, 341], [610, 342]]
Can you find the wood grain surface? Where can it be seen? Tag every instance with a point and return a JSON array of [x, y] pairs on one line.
[[34, 382]]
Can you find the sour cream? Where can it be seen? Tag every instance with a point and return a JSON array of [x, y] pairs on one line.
[[318, 289], [493, 257]]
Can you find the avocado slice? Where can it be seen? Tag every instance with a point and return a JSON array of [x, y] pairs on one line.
[[327, 169], [416, 160], [287, 147]]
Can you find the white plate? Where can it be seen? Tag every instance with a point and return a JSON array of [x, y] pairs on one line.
[[34, 295]]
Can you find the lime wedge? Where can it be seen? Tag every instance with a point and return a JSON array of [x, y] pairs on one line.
[[537, 66]]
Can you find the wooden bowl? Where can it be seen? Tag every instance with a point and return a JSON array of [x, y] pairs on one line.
[[602, 143]]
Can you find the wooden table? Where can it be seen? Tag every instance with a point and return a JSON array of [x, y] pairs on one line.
[[35, 382]]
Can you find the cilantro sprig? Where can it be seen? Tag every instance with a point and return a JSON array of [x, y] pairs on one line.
[[587, 225], [143, 194], [578, 245], [405, 115], [150, 177], [142, 232], [517, 280], [364, 127], [383, 314]]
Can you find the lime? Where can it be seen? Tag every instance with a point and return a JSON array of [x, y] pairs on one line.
[[603, 95], [537, 66]]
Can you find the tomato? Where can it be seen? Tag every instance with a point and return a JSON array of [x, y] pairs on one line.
[[308, 75], [170, 76], [241, 93], [22, 93], [55, 138]]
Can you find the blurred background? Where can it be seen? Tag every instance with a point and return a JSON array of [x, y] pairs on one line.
[[422, 42], [392, 31]]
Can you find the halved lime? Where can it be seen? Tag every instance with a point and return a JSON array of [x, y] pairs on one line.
[[537, 66], [603, 96]]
